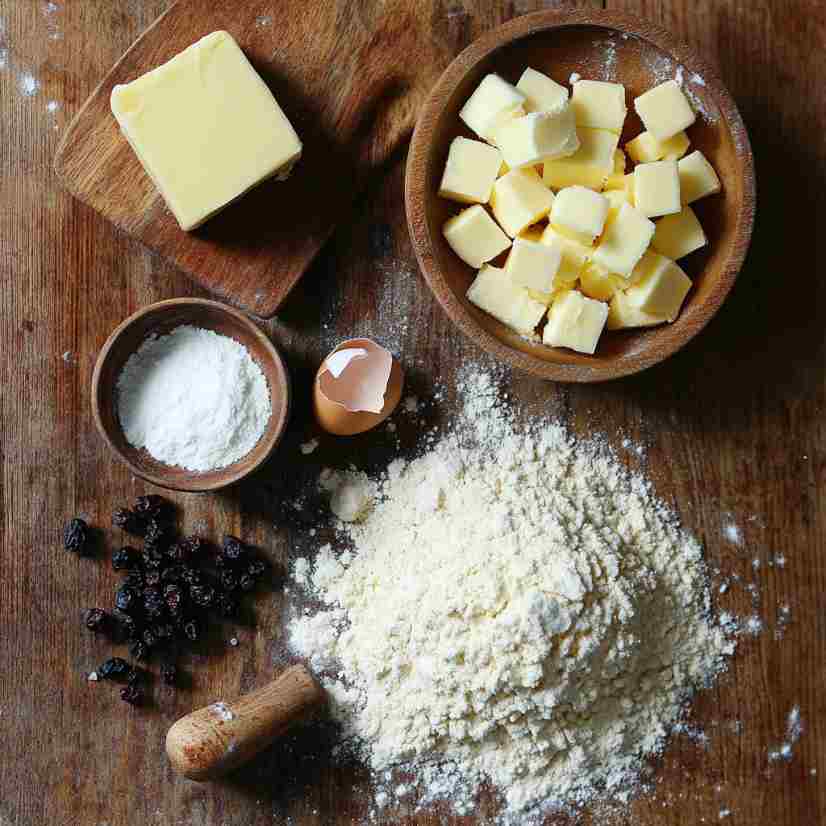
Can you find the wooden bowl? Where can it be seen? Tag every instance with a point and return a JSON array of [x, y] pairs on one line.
[[599, 45], [160, 319]]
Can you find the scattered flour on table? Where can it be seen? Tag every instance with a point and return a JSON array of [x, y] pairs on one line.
[[517, 609], [794, 728], [193, 398], [351, 493]]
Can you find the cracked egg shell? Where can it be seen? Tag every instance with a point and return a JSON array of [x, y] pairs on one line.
[[357, 386]]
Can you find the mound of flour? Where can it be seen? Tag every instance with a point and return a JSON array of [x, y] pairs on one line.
[[517, 609]]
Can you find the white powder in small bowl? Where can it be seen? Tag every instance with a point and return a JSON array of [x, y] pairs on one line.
[[193, 398]]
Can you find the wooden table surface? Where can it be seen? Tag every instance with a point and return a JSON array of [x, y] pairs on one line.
[[733, 429]]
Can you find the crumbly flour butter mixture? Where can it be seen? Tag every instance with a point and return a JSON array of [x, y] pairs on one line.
[[516, 610]]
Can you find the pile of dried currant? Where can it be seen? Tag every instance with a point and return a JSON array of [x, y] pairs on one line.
[[170, 588]]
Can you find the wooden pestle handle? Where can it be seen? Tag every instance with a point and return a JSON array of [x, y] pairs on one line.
[[213, 740]]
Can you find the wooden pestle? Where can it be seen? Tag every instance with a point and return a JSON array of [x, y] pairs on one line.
[[222, 736]]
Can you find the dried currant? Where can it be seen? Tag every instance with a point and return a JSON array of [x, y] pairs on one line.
[[134, 579], [157, 533], [169, 673], [228, 605], [256, 568], [96, 620], [132, 694], [174, 573], [153, 506], [163, 632], [202, 595], [233, 549], [114, 669], [76, 536], [177, 553], [192, 545], [139, 650], [228, 580], [127, 628], [191, 630], [126, 599], [153, 602], [152, 578], [152, 557], [128, 521], [125, 559], [174, 599]]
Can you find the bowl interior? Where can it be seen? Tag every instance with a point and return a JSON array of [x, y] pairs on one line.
[[161, 319], [596, 52]]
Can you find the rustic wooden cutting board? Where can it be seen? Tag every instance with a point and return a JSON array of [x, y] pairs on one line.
[[339, 71]]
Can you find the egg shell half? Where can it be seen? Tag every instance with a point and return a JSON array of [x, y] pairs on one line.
[[333, 416]]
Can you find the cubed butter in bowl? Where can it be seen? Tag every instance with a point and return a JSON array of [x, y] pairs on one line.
[[584, 283], [206, 128]]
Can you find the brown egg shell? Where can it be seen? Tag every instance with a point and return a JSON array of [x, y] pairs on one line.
[[335, 418]]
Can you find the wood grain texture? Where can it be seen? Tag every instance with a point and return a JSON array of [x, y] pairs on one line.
[[600, 45], [733, 428], [334, 71]]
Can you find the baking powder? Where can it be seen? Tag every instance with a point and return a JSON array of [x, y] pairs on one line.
[[193, 398]]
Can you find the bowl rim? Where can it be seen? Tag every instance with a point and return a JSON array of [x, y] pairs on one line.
[[230, 474], [419, 160]]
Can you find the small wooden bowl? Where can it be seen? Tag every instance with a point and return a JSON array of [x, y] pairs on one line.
[[160, 319], [598, 45]]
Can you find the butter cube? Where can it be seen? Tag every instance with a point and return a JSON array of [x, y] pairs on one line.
[[589, 166], [645, 148], [533, 265], [580, 211], [541, 93], [646, 265], [616, 198], [697, 177], [678, 235], [622, 315], [629, 187], [657, 188], [574, 256], [664, 110], [599, 105], [471, 169], [520, 199], [530, 139], [206, 128], [596, 282], [661, 291], [624, 241], [494, 102], [474, 236], [576, 322], [493, 292], [616, 180]]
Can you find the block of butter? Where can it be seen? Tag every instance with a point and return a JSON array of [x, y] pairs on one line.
[[206, 128]]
